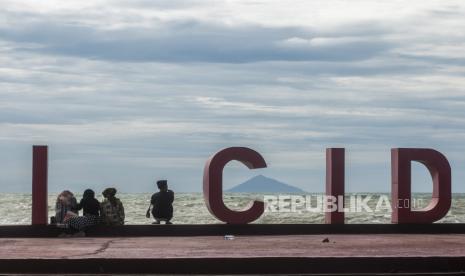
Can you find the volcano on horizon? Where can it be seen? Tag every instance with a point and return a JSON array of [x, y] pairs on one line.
[[263, 184]]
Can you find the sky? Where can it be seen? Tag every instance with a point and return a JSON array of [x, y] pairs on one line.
[[127, 92]]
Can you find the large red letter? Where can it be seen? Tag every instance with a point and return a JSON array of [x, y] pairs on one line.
[[39, 185], [213, 184], [335, 183], [440, 171]]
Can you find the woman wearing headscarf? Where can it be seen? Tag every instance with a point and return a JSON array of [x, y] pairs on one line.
[[90, 205], [91, 210], [111, 208], [77, 224], [65, 207]]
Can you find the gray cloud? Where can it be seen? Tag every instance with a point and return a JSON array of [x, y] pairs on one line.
[[163, 4], [196, 41]]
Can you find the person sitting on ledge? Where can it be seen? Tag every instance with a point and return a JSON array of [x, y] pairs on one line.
[[65, 207], [67, 215], [90, 217], [89, 204], [162, 203], [111, 209], [91, 208]]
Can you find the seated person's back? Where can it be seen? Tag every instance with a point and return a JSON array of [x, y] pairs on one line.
[[111, 209], [89, 204], [66, 204], [162, 202]]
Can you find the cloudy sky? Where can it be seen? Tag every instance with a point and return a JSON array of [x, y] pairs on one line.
[[126, 92]]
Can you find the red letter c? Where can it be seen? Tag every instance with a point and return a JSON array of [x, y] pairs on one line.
[[213, 184]]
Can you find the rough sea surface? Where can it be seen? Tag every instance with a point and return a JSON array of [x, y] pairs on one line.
[[190, 208]]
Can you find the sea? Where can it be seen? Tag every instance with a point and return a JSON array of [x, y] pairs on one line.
[[190, 208]]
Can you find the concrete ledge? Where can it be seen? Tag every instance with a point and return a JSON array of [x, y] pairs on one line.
[[301, 254], [249, 229], [273, 265]]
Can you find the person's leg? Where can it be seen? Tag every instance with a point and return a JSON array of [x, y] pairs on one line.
[[79, 224], [75, 223], [168, 219]]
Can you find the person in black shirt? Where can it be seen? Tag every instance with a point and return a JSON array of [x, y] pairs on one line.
[[91, 216], [90, 205], [162, 203]]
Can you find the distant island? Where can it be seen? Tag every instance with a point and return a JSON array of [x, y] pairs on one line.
[[263, 184]]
